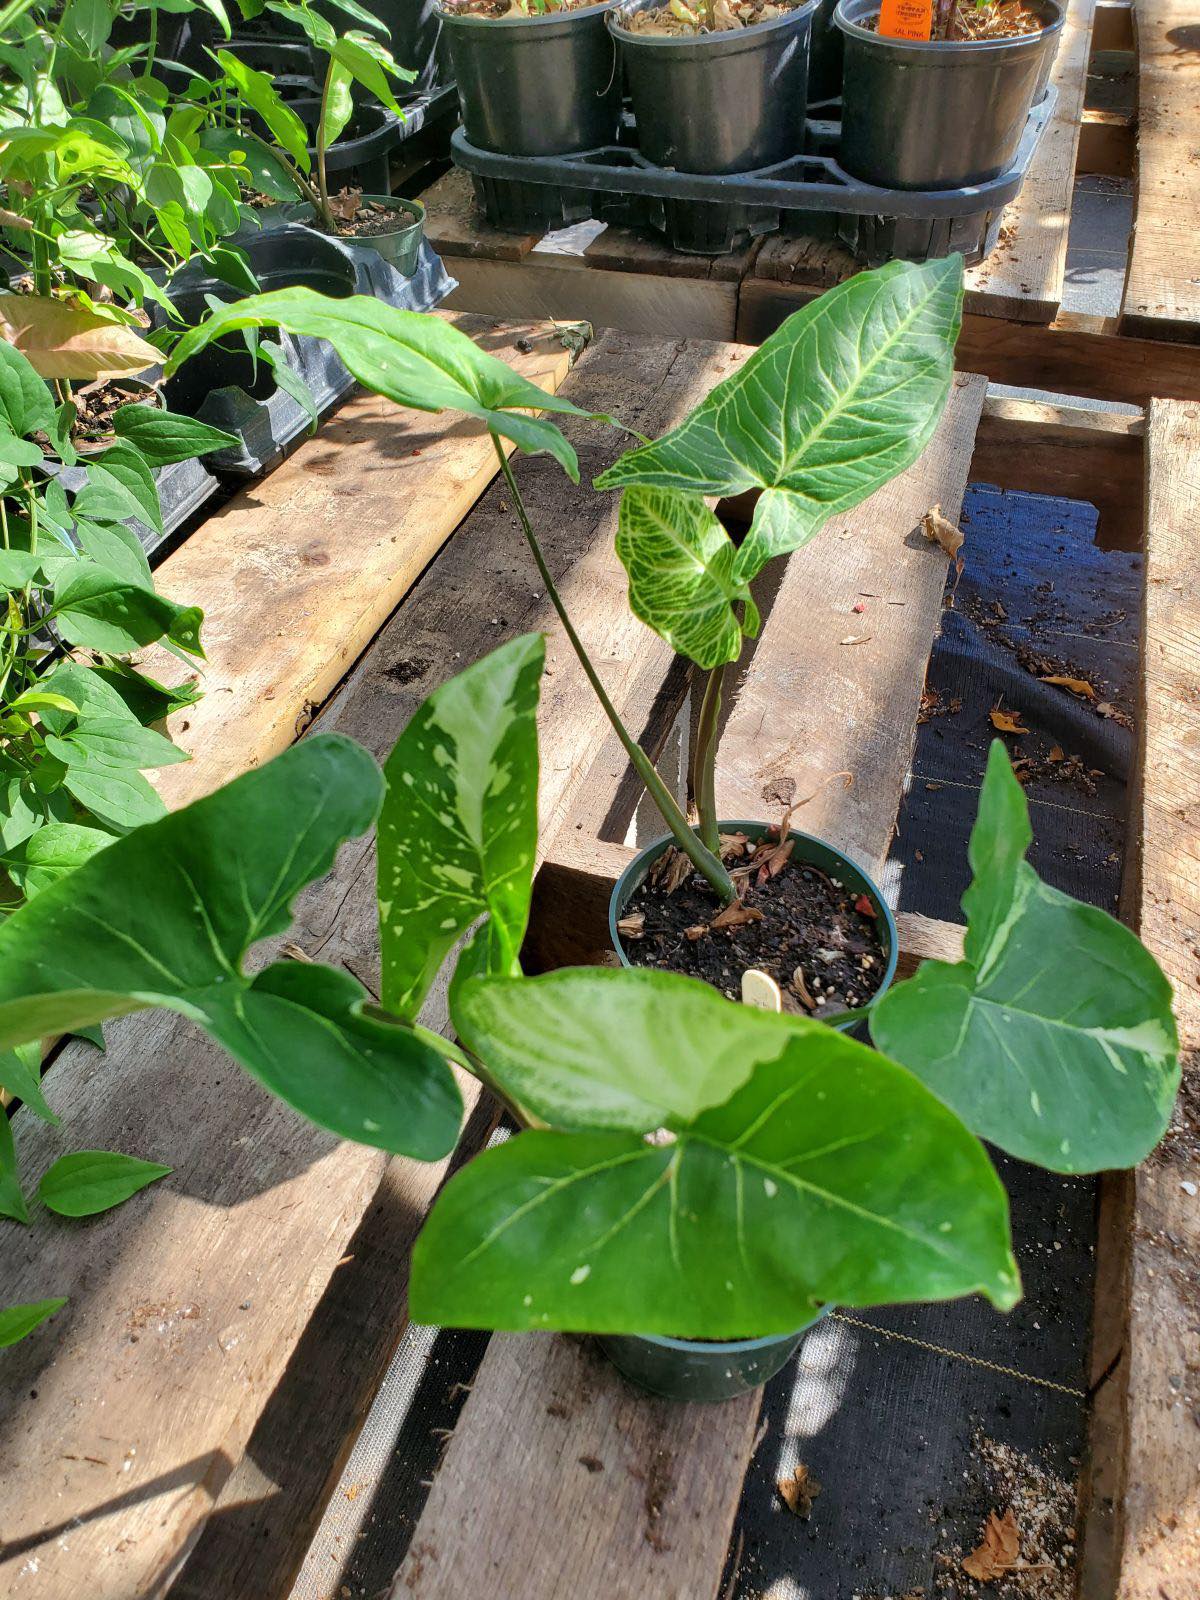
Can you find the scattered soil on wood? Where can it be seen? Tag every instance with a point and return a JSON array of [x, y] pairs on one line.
[[816, 937], [1003, 21], [690, 20]]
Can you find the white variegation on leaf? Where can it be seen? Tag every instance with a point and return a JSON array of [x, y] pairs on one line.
[[458, 830], [839, 400], [1054, 1037], [830, 1175], [680, 563]]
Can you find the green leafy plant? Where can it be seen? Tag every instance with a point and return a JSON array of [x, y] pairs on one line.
[[355, 56]]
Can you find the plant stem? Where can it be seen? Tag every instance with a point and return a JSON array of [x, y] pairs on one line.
[[705, 861], [322, 181], [704, 759]]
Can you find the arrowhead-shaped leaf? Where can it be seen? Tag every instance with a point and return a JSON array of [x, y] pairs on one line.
[[1054, 1037], [18, 1321], [458, 830], [165, 916], [26, 404], [841, 398], [681, 583], [406, 356], [830, 1176], [603, 1047], [102, 611], [90, 1181]]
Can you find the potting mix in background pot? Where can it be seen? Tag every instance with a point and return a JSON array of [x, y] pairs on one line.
[[942, 112], [534, 83], [722, 92]]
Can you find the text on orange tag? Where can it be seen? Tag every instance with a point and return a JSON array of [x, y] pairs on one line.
[[906, 19]]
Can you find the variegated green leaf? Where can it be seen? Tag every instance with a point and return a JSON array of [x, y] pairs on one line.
[[458, 831], [680, 564], [1053, 1038], [839, 400]]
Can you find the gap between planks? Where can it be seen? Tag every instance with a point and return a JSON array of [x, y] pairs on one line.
[[656, 1519]]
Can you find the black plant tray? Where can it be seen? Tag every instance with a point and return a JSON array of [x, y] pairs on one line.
[[710, 215]]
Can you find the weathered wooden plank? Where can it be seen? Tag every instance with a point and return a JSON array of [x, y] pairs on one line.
[[129, 1411], [1161, 1535], [513, 1466], [1023, 277], [299, 571], [1076, 354], [1162, 285], [454, 228]]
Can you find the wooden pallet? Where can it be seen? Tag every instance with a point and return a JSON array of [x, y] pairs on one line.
[[153, 1430], [1015, 329]]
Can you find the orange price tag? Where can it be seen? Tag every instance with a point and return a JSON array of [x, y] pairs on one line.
[[906, 19]]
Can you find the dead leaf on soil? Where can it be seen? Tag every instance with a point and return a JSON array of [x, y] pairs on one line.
[[735, 916], [1107, 709], [1079, 686], [801, 988], [345, 204], [865, 906], [696, 931], [1057, 753], [799, 1491], [857, 638], [776, 861], [670, 870], [733, 846], [941, 531], [1007, 721], [632, 926], [998, 1552]]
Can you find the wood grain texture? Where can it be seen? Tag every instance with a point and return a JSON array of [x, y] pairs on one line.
[[1162, 284], [562, 1481], [454, 228], [1161, 1535], [299, 571], [811, 707], [126, 1414], [513, 1468], [1023, 277]]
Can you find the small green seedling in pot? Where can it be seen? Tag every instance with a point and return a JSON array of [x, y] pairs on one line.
[[686, 1165]]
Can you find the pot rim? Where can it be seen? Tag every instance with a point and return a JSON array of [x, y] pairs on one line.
[[946, 49], [729, 824], [414, 209], [721, 1347], [675, 43], [466, 19]]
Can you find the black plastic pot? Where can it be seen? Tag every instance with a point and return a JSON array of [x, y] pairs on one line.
[[696, 1369], [361, 158], [920, 114], [824, 55], [806, 849], [415, 29], [719, 102], [286, 58], [540, 85]]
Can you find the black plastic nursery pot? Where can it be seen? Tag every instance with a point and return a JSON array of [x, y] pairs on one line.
[[824, 55], [718, 102], [697, 1369], [807, 850], [926, 114], [415, 29], [540, 85]]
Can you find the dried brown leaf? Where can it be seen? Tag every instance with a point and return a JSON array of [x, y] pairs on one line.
[[1007, 721], [696, 931], [998, 1551], [735, 916], [632, 926], [345, 204], [733, 846], [802, 989], [799, 1491], [1079, 686], [857, 638], [1057, 753], [670, 870], [941, 531], [65, 341]]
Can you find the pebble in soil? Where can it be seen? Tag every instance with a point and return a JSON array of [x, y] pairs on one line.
[[808, 930]]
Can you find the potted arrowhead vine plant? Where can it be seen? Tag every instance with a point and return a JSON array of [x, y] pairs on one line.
[[694, 1180], [841, 398]]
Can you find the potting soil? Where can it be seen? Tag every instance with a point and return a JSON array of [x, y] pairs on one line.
[[896, 1432]]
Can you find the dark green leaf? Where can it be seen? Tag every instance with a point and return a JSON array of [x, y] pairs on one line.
[[840, 399], [121, 467], [102, 611], [413, 359], [165, 916], [1053, 1038], [117, 548], [18, 1321], [257, 90], [91, 1181], [831, 1176], [12, 1197], [458, 831], [680, 564], [21, 1075], [26, 403]]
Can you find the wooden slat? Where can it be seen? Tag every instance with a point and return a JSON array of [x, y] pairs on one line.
[[513, 1465], [1076, 354], [1023, 278], [455, 229], [1162, 285], [299, 571], [1067, 450], [187, 1303], [1161, 1539]]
